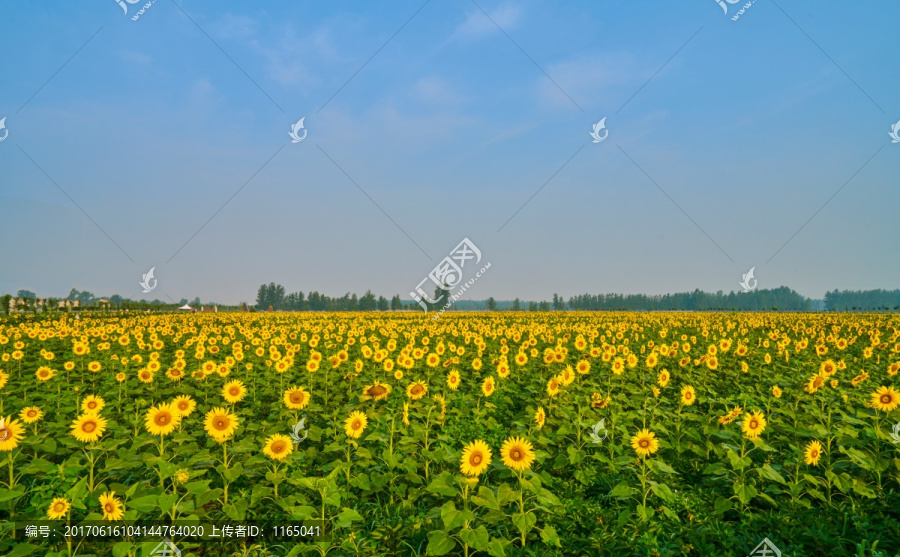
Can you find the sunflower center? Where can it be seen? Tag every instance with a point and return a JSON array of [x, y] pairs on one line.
[[234, 391], [516, 454], [109, 508], [475, 459], [754, 424], [182, 405], [163, 418], [88, 427], [886, 399], [357, 424], [297, 397], [278, 447], [688, 395], [59, 507], [416, 390], [221, 424], [644, 443], [377, 390]]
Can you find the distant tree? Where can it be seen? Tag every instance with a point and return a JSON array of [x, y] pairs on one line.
[[532, 306], [491, 304], [382, 303], [396, 303], [517, 305], [544, 306], [4, 302], [25, 294]]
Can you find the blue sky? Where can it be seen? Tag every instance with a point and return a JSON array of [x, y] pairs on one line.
[[725, 137]]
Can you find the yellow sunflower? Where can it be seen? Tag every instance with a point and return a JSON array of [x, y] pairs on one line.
[[885, 399], [416, 390], [487, 388], [92, 404], [754, 424], [296, 398], [645, 442], [688, 395], [11, 432], [453, 380], [553, 386], [30, 414], [161, 420], [59, 508], [234, 391], [475, 458], [813, 453], [540, 417], [776, 391], [88, 427], [355, 424], [517, 453], [44, 373], [376, 391], [278, 447], [220, 424], [183, 405], [113, 509], [406, 413]]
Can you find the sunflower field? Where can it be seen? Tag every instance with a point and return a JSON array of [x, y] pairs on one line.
[[489, 433]]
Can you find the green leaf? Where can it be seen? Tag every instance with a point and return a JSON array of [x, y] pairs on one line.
[[477, 539], [207, 496], [622, 490], [737, 462], [546, 497], [7, 494], [197, 487], [166, 501], [237, 509], [663, 467], [442, 486], [346, 517], [524, 522], [166, 468], [646, 513], [770, 473], [143, 504], [745, 493], [23, 550], [722, 505], [122, 549], [439, 543], [486, 498], [548, 534], [506, 494], [495, 548], [453, 518], [714, 468], [662, 491]]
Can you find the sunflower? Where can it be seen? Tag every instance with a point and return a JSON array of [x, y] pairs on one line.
[[58, 508], [94, 367], [234, 391], [406, 413], [416, 390], [517, 453], [30, 414], [583, 367], [183, 405], [88, 427], [113, 509], [487, 388], [618, 366], [376, 391], [712, 363], [600, 403], [475, 458], [815, 382], [813, 453], [120, 376], [663, 378], [645, 442], [553, 386], [182, 476], [278, 447], [145, 376], [220, 424], [4, 377], [885, 399], [92, 404], [44, 373], [11, 432], [161, 420], [776, 391], [296, 398], [175, 374], [355, 424], [754, 424], [453, 380], [688, 396], [540, 417]]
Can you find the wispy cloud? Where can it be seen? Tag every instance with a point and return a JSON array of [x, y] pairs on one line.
[[476, 25]]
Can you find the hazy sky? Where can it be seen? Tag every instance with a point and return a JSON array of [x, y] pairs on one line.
[[724, 137]]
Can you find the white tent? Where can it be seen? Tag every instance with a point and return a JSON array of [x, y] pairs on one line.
[[187, 307]]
